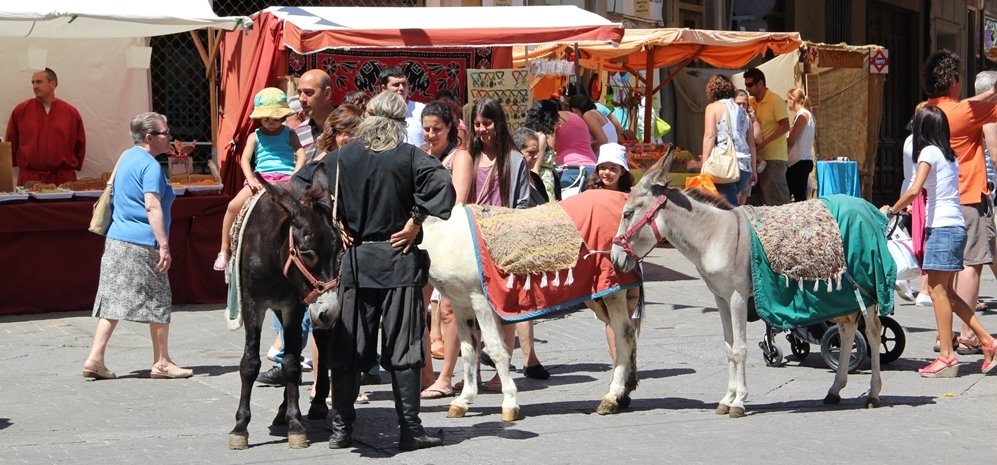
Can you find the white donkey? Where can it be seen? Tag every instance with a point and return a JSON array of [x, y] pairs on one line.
[[454, 272], [716, 239]]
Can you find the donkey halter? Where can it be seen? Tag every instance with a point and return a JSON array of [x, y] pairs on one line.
[[648, 218], [318, 287]]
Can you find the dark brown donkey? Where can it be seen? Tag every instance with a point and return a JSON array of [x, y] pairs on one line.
[[289, 259]]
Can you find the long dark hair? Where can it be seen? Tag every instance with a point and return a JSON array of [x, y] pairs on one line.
[[490, 109], [542, 116], [625, 183], [931, 127], [443, 111]]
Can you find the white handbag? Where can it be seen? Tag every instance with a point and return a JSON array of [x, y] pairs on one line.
[[901, 248]]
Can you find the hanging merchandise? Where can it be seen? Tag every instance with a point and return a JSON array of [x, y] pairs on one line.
[[509, 87], [545, 67]]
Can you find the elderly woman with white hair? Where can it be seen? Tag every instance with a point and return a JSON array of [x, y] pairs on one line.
[[387, 189]]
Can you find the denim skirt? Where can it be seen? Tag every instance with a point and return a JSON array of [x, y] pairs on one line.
[[943, 248]]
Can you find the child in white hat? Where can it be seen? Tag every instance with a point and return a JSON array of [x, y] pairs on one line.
[[273, 150], [612, 170]]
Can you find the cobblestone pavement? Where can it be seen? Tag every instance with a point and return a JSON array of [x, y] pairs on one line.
[[49, 414]]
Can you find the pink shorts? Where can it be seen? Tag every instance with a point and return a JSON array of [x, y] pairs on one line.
[[272, 178]]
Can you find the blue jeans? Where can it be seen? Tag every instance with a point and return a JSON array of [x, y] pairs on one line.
[[306, 327], [572, 172], [729, 191], [943, 248]]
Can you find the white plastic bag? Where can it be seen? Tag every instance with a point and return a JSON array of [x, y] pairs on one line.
[[901, 248]]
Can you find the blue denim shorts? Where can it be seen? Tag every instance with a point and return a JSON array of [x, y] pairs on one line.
[[943, 248]]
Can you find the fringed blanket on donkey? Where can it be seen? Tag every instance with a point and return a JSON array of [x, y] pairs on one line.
[[801, 253], [548, 258]]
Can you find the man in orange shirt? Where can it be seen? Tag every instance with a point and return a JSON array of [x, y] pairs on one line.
[[942, 84]]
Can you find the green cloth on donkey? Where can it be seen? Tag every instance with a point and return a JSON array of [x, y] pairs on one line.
[[867, 261]]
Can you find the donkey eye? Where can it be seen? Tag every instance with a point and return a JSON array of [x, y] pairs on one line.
[[628, 214]]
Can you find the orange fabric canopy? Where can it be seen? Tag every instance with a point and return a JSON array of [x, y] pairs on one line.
[[670, 46]]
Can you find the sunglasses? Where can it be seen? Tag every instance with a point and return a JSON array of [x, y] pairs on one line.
[[749, 84], [160, 133]]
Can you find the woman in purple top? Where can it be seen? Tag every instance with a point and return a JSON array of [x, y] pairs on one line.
[[133, 282]]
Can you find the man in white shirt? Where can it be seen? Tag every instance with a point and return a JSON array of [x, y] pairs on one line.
[[393, 79]]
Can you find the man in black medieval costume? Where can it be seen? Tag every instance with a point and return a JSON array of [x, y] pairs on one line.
[[386, 189]]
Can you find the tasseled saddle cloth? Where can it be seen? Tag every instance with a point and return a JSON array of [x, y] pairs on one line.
[[799, 250], [234, 304], [801, 240], [530, 242], [548, 258]]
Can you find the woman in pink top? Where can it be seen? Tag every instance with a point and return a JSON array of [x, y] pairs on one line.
[[572, 142]]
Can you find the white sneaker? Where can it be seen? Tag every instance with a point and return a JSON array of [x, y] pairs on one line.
[[306, 365], [272, 353], [904, 291], [923, 300]]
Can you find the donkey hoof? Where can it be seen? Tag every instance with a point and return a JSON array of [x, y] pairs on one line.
[[510, 414], [607, 407], [456, 411], [736, 412], [832, 399], [723, 409], [872, 402], [238, 442], [297, 441]]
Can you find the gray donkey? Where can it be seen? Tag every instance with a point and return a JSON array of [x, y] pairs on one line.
[[716, 238]]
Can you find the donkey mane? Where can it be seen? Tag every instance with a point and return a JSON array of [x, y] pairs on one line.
[[709, 198]]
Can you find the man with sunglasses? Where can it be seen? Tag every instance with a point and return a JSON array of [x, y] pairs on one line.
[[46, 134], [772, 115]]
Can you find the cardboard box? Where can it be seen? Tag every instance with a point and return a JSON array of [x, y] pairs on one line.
[[6, 168], [180, 165]]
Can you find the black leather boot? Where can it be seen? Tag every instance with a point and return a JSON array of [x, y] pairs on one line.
[[406, 385], [345, 387]]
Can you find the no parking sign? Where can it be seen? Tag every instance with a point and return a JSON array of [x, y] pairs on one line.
[[879, 61]]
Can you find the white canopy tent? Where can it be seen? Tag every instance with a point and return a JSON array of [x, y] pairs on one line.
[[85, 43]]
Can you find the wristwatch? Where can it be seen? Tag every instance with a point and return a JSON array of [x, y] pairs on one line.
[[418, 215]]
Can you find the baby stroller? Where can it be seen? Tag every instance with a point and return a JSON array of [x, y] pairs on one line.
[[825, 334]]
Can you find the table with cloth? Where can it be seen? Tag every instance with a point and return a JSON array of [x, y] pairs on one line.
[[52, 263], [838, 177]]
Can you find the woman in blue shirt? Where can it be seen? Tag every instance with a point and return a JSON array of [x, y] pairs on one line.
[[133, 282]]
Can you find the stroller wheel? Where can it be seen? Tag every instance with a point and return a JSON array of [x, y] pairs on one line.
[[830, 347], [893, 341], [771, 353], [799, 347]]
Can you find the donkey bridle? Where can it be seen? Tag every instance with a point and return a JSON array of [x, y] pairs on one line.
[[318, 287], [624, 240]]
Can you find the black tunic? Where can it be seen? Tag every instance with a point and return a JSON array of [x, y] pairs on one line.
[[377, 192]]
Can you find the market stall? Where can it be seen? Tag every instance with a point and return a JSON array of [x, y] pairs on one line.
[[52, 262], [63, 35], [256, 60], [642, 51]]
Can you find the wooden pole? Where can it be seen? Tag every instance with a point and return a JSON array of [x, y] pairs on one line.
[[648, 96]]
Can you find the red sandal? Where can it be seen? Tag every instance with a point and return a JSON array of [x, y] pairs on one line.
[[941, 368], [990, 351]]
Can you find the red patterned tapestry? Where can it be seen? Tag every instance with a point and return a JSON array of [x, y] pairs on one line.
[[429, 71]]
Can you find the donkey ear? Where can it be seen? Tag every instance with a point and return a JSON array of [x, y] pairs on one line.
[[658, 172], [280, 197]]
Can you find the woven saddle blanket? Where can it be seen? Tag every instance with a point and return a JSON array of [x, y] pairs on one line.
[[530, 267], [820, 259], [233, 306], [801, 240], [530, 241]]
